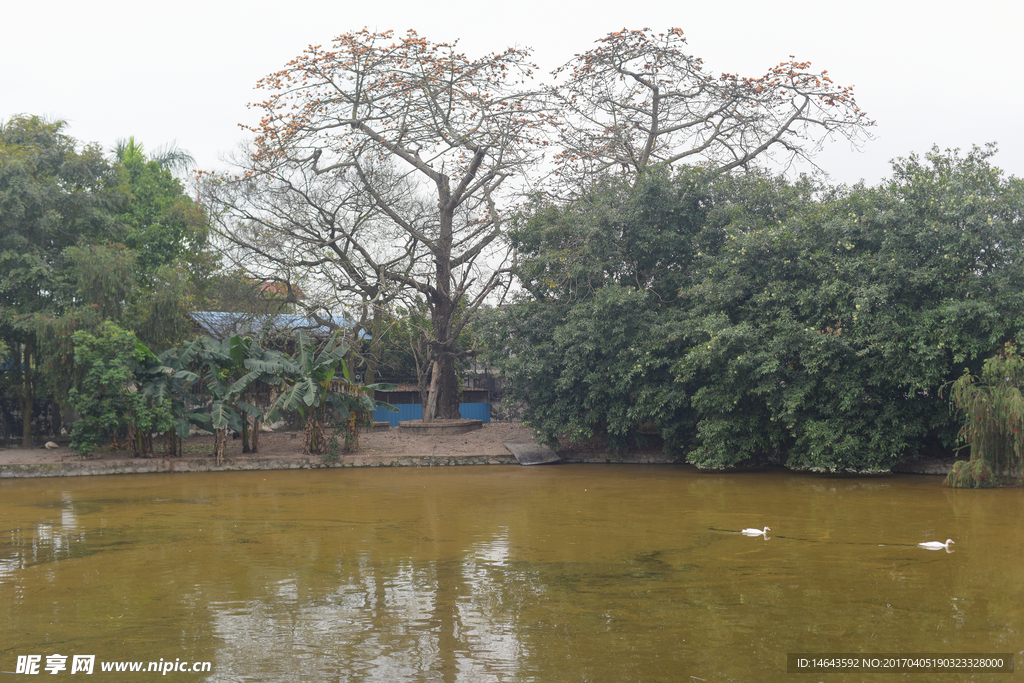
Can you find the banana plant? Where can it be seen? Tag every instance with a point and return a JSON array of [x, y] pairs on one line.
[[233, 368], [313, 384], [255, 366], [175, 385]]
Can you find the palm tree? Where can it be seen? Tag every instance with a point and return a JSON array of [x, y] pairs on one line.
[[168, 156]]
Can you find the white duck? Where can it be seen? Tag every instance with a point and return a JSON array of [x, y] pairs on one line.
[[755, 532], [935, 545]]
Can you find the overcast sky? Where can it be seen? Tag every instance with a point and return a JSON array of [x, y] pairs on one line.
[[928, 72]]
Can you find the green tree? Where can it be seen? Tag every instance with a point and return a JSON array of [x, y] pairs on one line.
[[993, 415], [603, 277], [760, 321], [145, 277], [170, 234], [170, 156], [53, 195], [105, 281], [175, 387], [163, 225], [117, 390], [221, 365], [101, 279], [256, 369]]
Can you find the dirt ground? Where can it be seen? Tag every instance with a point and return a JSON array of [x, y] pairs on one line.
[[485, 441]]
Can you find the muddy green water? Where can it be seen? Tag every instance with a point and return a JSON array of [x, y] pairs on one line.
[[558, 573]]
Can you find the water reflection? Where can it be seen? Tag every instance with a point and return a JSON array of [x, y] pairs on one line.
[[504, 574], [50, 540], [395, 623]]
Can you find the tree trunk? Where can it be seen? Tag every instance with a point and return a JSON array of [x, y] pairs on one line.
[[245, 433], [352, 435], [254, 434], [444, 381], [27, 395], [443, 398], [146, 443], [430, 408], [313, 439], [220, 437], [447, 389], [133, 440], [421, 351], [140, 441], [444, 313]]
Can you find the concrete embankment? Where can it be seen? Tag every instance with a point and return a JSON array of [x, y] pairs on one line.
[[82, 468], [169, 465]]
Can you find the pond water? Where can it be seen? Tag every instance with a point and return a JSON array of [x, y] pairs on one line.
[[558, 573]]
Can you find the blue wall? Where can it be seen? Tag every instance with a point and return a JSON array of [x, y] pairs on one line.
[[468, 411]]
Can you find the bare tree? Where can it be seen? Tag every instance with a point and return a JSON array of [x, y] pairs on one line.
[[319, 237], [394, 161], [638, 99]]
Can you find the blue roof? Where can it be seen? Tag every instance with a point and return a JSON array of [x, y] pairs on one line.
[[223, 325]]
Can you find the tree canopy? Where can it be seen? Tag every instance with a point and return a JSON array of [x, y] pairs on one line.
[[53, 196], [670, 284], [162, 224], [388, 169], [639, 98], [756, 320], [86, 239], [392, 160]]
